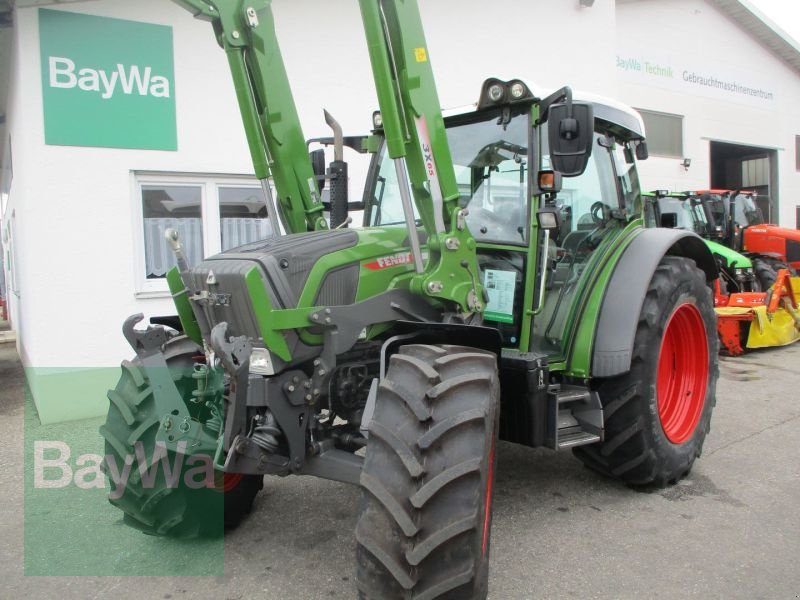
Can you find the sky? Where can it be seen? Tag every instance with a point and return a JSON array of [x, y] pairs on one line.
[[785, 13]]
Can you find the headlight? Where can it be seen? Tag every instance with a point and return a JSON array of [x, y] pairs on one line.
[[517, 91], [261, 362], [496, 92], [743, 273]]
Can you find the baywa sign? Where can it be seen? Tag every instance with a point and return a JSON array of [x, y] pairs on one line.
[[107, 82], [128, 80]]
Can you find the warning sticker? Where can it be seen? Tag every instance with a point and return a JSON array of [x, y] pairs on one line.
[[420, 54], [500, 285]]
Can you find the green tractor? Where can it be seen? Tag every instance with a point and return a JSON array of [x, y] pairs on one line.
[[503, 287], [689, 212]]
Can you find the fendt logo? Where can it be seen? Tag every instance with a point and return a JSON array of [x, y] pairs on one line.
[[127, 79], [107, 82]]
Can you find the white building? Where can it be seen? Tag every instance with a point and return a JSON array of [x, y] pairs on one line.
[[89, 154]]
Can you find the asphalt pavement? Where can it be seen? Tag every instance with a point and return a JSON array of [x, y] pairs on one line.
[[731, 530]]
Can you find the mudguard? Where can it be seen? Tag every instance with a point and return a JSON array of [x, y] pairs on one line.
[[619, 312]]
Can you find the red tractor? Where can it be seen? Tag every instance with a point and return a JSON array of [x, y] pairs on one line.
[[739, 224]]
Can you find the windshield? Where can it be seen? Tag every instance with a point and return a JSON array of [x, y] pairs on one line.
[[746, 212], [683, 214], [491, 168]]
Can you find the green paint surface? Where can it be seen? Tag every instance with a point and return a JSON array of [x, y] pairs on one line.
[[107, 82], [69, 394], [733, 259]]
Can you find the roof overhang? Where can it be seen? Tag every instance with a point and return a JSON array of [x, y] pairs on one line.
[[764, 29]]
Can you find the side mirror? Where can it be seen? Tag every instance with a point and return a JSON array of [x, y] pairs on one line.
[[641, 151], [570, 134]]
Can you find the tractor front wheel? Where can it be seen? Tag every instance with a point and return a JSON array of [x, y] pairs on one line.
[[159, 505], [766, 270], [658, 414], [427, 478]]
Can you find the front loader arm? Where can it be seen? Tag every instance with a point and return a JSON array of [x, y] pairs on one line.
[[417, 140], [246, 31], [413, 123]]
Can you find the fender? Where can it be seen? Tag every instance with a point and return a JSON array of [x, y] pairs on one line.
[[415, 332], [624, 297]]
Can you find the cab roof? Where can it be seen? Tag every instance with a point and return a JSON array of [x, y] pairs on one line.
[[623, 120]]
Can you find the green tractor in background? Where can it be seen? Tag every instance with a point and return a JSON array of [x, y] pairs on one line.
[[688, 212], [503, 287]]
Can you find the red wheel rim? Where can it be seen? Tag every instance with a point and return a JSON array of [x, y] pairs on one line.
[[230, 481], [682, 373]]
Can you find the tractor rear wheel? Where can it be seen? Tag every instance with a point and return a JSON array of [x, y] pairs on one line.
[[766, 270], [658, 414], [427, 478], [158, 506]]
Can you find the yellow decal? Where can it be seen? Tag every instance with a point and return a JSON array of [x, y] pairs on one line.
[[420, 54]]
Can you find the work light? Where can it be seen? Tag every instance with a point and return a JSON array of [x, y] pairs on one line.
[[496, 92], [517, 91]]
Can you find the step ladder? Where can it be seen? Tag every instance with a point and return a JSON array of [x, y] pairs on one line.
[[575, 417]]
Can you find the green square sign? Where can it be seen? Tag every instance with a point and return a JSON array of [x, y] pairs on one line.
[[107, 82]]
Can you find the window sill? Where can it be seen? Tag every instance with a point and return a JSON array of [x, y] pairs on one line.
[[152, 294]]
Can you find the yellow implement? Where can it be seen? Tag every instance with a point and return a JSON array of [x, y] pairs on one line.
[[765, 320]]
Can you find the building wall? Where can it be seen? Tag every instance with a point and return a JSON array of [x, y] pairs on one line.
[[74, 209], [693, 36]]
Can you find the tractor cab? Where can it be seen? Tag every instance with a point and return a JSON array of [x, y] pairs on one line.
[[730, 211], [525, 214], [681, 211], [696, 212], [745, 210]]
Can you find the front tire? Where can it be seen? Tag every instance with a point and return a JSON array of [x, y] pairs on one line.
[[427, 478], [161, 507], [766, 271], [657, 414]]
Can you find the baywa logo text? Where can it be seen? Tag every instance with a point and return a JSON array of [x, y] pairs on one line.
[[194, 472], [129, 79]]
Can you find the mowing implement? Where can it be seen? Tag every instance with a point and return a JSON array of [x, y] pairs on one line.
[[750, 320]]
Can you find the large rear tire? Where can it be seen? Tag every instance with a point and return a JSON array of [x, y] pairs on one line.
[[427, 478], [160, 507], [658, 414]]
